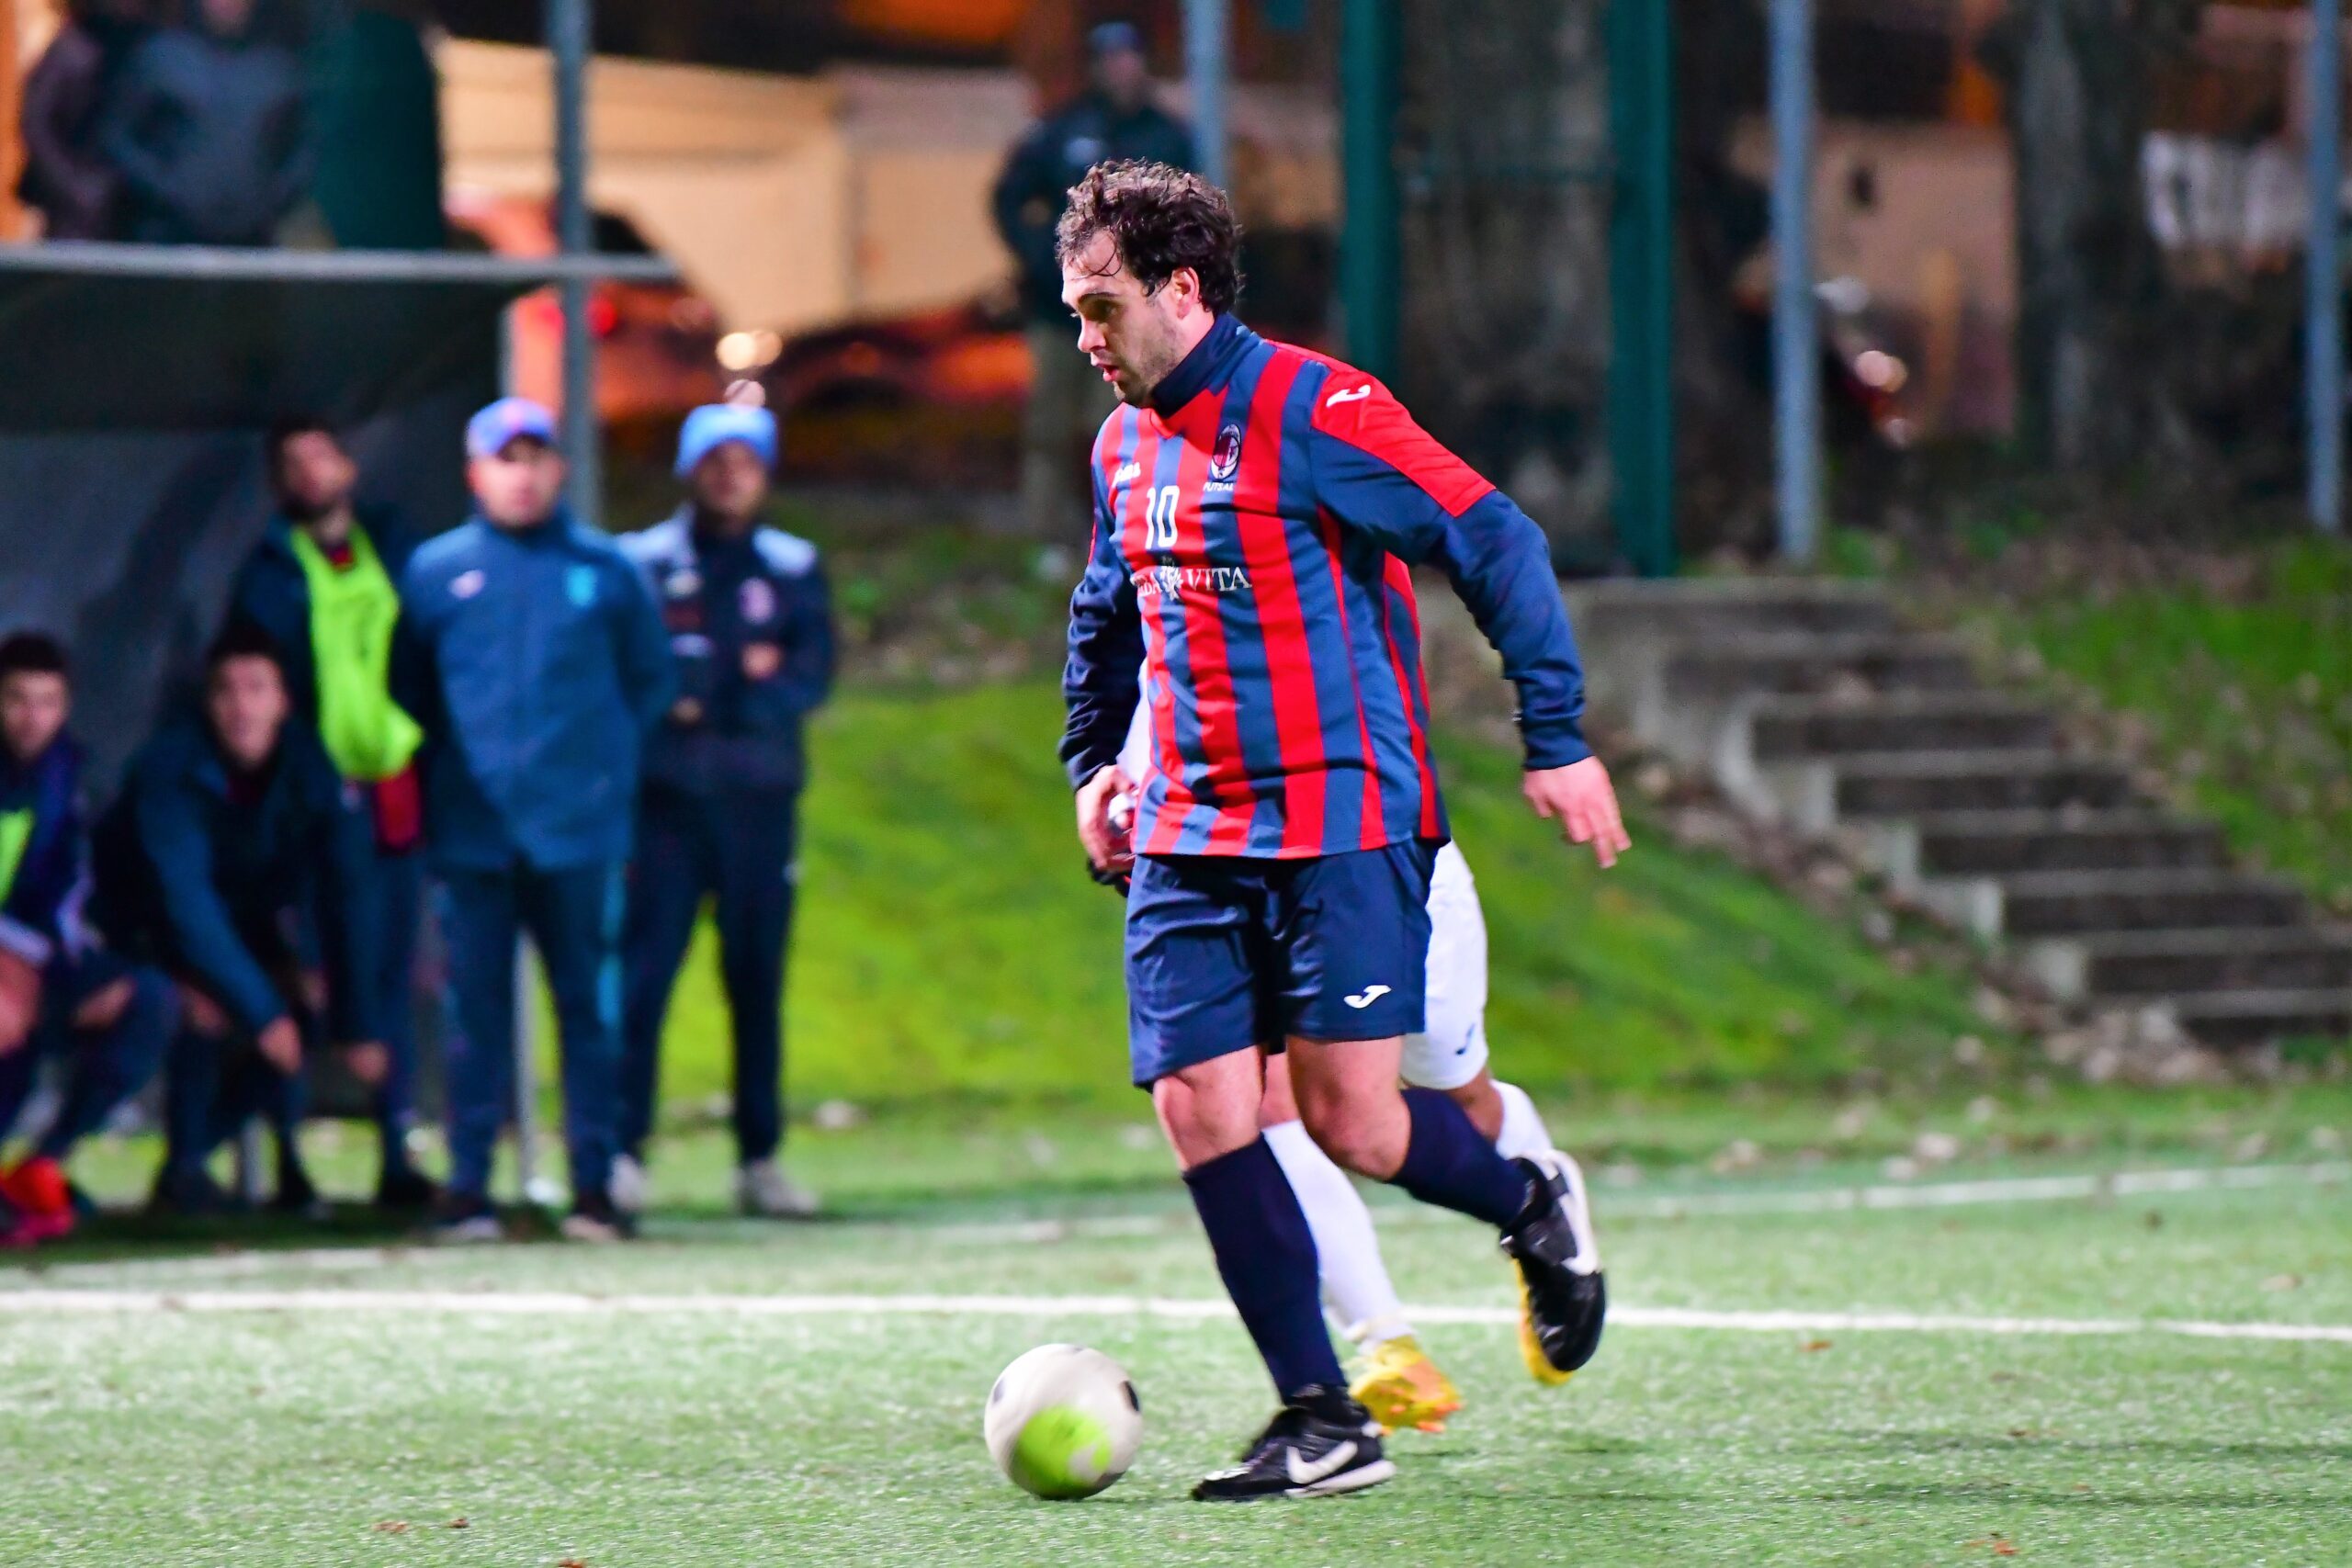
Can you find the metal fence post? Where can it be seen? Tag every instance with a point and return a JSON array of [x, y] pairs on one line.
[[1796, 335], [1208, 69], [1371, 259], [571, 24], [2323, 272], [1639, 403]]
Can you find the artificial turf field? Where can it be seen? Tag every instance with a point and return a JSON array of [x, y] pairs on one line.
[[732, 1392]]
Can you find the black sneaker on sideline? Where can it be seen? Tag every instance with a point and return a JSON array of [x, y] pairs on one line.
[[296, 1194], [594, 1219], [1319, 1445], [463, 1219], [1563, 1301], [186, 1194], [404, 1190]]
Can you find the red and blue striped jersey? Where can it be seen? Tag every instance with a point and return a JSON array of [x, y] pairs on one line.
[[1254, 535]]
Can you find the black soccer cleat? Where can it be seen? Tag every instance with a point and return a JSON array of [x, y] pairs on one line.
[[1563, 1300], [1319, 1445]]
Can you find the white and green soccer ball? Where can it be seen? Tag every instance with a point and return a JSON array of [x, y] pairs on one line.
[[1064, 1421]]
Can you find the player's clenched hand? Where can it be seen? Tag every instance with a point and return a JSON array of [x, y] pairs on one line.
[[280, 1044], [1106, 842], [1582, 800]]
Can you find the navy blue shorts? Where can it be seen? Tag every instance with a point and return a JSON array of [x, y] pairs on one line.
[[1225, 953]]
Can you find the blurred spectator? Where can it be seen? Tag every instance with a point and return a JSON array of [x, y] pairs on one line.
[[534, 657], [204, 127], [1068, 399], [752, 637], [61, 993], [319, 586], [233, 831], [66, 178], [377, 138]]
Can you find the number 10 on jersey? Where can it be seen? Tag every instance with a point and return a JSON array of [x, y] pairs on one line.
[[1160, 519]]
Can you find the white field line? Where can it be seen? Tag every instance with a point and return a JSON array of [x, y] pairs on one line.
[[1616, 1203], [1613, 1202], [567, 1304], [240, 1265]]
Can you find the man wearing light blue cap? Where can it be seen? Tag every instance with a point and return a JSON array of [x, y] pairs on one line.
[[534, 660], [750, 633]]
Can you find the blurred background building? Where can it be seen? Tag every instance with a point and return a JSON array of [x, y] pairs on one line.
[[818, 171]]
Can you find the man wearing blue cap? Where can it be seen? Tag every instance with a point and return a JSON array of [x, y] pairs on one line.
[[534, 660], [752, 637], [1114, 118]]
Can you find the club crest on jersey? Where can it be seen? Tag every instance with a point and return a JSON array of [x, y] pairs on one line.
[[1225, 459]]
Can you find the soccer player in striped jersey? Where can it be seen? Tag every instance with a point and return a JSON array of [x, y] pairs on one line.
[[1258, 509], [1398, 1383]]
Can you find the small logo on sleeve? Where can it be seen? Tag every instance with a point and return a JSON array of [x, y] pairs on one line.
[[1352, 394], [466, 584]]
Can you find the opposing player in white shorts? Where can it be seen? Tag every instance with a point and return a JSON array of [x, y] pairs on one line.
[[1398, 1383]]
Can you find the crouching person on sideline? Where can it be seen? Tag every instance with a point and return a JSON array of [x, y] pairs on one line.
[[751, 636], [321, 585], [532, 655], [62, 992], [235, 851]]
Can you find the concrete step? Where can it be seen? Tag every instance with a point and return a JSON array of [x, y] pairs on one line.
[[1913, 783], [1723, 605], [2060, 903], [1628, 628], [2149, 965], [2252, 1018], [1780, 729], [1711, 669], [1998, 844]]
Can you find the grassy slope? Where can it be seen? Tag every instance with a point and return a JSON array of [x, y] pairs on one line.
[[2247, 694], [949, 941]]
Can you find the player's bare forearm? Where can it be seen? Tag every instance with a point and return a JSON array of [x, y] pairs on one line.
[[1580, 798]]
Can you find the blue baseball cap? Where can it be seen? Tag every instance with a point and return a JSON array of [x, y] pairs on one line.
[[1114, 37], [713, 425], [506, 421]]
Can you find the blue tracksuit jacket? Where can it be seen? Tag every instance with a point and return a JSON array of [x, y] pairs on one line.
[[536, 664], [717, 599]]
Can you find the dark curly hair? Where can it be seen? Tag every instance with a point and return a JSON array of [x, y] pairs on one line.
[[1161, 218]]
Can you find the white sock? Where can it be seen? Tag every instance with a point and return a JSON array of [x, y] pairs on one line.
[[1523, 1131], [1356, 1281]]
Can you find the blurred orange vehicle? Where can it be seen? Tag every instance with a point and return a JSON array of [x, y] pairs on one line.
[[657, 343]]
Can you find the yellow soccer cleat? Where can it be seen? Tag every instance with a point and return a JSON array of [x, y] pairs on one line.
[[1531, 1348], [1402, 1387]]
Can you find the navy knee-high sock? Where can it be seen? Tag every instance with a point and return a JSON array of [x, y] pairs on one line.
[[1451, 1163], [1267, 1257]]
